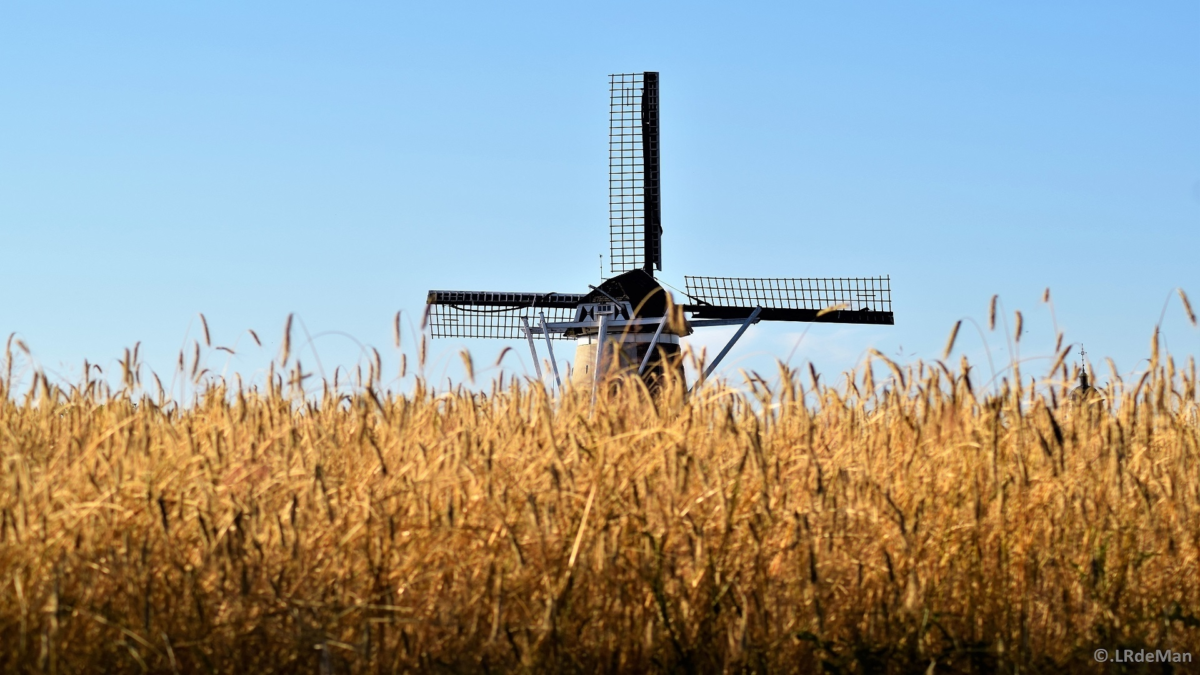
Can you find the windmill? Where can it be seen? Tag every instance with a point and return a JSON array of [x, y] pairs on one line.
[[629, 321]]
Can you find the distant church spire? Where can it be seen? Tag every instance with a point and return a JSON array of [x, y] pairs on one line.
[[1083, 378], [1085, 390]]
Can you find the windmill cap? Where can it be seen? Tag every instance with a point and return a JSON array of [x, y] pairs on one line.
[[636, 287]]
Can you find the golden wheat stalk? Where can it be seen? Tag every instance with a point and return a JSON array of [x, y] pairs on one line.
[[1187, 306], [950, 341]]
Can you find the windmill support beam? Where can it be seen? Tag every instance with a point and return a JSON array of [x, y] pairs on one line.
[[753, 318], [550, 348], [653, 341], [562, 326], [537, 368], [600, 340]]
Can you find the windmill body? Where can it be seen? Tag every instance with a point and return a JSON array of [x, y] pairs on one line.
[[630, 314]]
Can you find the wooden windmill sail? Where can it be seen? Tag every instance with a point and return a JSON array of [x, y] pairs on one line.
[[630, 313]]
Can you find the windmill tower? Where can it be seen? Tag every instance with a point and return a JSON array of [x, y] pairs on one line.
[[629, 321]]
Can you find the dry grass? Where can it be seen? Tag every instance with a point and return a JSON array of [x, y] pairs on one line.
[[877, 526]]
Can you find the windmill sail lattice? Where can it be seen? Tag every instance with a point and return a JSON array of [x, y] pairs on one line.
[[487, 314], [634, 194], [857, 299]]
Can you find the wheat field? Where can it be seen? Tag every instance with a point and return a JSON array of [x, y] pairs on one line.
[[909, 523]]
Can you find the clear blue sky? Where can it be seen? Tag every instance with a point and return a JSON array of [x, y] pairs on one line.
[[336, 160]]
